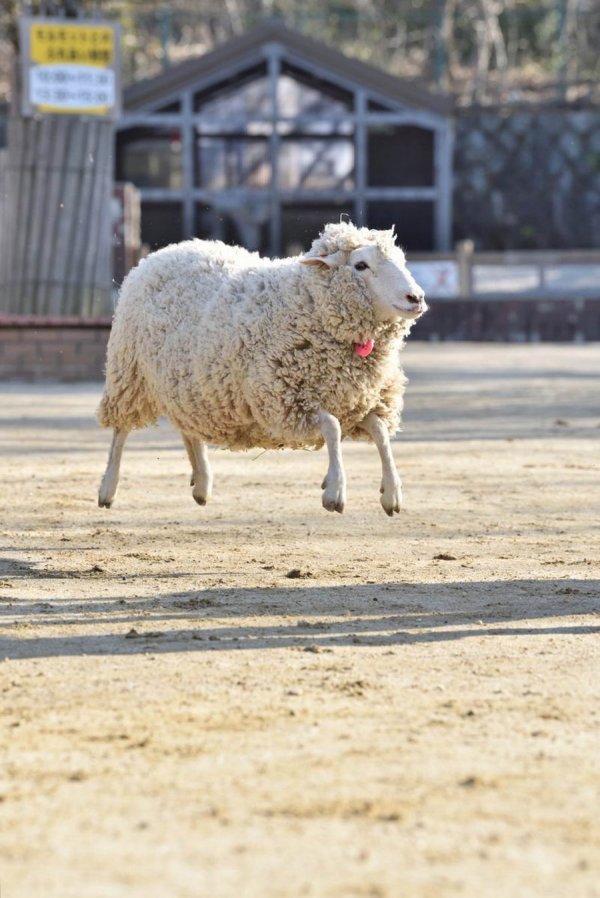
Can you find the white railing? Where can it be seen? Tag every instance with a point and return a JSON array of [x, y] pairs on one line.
[[527, 274]]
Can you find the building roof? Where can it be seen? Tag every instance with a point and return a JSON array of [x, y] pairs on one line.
[[150, 92]]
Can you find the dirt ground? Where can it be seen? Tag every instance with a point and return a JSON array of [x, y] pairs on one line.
[[259, 699]]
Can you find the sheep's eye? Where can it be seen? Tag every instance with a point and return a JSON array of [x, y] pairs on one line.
[[360, 266]]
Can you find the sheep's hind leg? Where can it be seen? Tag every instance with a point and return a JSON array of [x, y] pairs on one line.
[[391, 485], [201, 478], [334, 485], [110, 481]]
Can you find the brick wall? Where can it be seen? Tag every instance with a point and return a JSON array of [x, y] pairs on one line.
[[65, 349], [74, 349]]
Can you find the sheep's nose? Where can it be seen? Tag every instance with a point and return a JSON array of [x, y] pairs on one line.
[[413, 298]]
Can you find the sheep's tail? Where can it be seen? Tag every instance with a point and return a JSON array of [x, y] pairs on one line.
[[126, 402]]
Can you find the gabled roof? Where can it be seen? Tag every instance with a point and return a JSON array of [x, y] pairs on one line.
[[150, 92]]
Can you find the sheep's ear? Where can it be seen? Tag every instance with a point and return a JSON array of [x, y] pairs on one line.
[[327, 260]]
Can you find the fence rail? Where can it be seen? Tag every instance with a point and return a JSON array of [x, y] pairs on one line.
[[515, 275]]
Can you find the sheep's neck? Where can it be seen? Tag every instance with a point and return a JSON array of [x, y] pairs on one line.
[[364, 349]]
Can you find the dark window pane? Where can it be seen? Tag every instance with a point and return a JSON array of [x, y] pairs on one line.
[[170, 107], [316, 164], [400, 156], [234, 226], [162, 223], [301, 93], [301, 223], [242, 97], [374, 106], [150, 157], [226, 162], [413, 222]]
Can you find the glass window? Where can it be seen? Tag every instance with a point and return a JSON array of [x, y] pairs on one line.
[[209, 225], [170, 107], [376, 106], [413, 222], [300, 93], [318, 127], [232, 161], [162, 223], [313, 164], [244, 97], [302, 222], [150, 157], [400, 156], [233, 226]]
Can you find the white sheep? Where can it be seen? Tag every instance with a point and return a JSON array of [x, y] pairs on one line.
[[241, 352]]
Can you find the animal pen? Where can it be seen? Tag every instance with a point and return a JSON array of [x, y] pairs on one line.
[[270, 136], [254, 697]]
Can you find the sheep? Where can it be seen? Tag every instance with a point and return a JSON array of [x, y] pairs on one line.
[[241, 351]]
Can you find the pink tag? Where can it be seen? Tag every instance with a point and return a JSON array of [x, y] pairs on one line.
[[364, 349]]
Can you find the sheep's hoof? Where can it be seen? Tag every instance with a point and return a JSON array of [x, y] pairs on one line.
[[104, 503], [391, 508], [333, 505], [391, 498], [201, 500], [334, 500], [334, 495]]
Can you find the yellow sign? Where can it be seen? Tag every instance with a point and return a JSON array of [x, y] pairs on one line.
[[93, 45], [70, 67]]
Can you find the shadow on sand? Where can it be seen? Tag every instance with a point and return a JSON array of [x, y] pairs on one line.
[[309, 618]]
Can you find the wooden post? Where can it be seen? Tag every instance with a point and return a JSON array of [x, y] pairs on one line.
[[56, 245], [443, 148], [361, 163], [274, 71], [464, 257]]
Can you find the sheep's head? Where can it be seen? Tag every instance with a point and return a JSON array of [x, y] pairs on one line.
[[378, 264]]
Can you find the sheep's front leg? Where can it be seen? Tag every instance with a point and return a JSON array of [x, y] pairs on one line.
[[334, 485], [201, 478], [110, 481], [391, 485]]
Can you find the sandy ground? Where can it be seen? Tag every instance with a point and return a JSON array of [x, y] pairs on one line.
[[261, 699]]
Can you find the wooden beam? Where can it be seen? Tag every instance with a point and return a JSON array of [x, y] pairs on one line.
[[443, 149], [274, 71], [301, 123], [361, 160], [248, 194], [188, 149]]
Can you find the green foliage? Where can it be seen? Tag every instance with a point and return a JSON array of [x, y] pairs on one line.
[[481, 50]]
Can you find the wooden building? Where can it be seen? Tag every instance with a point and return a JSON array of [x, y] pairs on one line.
[[271, 135]]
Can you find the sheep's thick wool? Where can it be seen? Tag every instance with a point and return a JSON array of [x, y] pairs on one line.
[[242, 352]]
